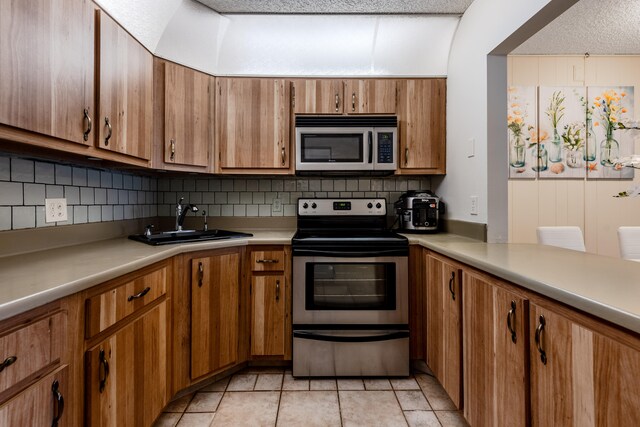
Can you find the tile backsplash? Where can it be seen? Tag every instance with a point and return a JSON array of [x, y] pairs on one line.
[[93, 195], [254, 196]]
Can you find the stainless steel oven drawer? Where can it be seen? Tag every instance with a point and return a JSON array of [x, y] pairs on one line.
[[351, 353]]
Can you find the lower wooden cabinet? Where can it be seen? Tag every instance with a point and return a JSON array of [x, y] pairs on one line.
[[268, 302], [215, 289], [583, 373], [126, 373], [444, 324], [494, 352], [42, 404]]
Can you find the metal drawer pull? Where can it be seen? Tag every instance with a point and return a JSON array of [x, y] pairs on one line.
[[200, 274], [511, 315], [139, 294], [283, 155], [87, 131], [451, 279], [406, 156], [8, 362], [353, 101], [538, 339], [267, 261], [108, 137], [58, 403], [173, 150], [337, 102], [103, 370], [277, 290]]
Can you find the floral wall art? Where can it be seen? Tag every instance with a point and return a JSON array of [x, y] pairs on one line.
[[608, 108], [569, 132], [523, 131], [562, 151]]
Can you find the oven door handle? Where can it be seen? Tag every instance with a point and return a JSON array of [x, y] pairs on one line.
[[370, 147], [356, 254], [342, 338]]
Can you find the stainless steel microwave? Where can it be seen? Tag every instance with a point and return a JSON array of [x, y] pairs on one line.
[[346, 144]]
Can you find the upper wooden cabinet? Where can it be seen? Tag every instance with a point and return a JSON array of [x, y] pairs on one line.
[[183, 122], [125, 95], [444, 324], [422, 126], [336, 96], [495, 352], [252, 125], [46, 67]]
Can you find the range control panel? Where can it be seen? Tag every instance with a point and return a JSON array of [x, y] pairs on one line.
[[347, 207]]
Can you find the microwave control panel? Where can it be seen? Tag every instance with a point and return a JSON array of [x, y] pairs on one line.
[[385, 147]]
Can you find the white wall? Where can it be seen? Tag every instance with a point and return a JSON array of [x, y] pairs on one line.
[[588, 204], [484, 26]]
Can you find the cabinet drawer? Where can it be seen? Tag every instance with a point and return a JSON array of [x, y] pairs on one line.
[[108, 308], [26, 351], [267, 261]]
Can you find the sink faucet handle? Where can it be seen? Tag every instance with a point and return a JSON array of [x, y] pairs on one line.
[[147, 230], [180, 201]]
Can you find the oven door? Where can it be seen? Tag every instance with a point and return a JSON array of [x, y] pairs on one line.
[[334, 149], [350, 290]]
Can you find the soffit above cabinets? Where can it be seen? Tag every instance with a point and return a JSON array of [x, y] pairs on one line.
[[374, 7], [599, 27]]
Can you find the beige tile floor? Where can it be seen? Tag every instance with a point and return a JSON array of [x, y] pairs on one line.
[[272, 397]]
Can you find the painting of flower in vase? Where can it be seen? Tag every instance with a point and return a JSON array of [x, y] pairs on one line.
[[562, 115], [522, 128], [608, 107]]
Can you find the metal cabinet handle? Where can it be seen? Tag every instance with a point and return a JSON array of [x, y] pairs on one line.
[[353, 101], [139, 294], [267, 261], [108, 125], [293, 96], [283, 155], [58, 403], [103, 372], [277, 290], [451, 279], [172, 156], [511, 315], [8, 362], [87, 131], [538, 339], [337, 102], [200, 274], [406, 156]]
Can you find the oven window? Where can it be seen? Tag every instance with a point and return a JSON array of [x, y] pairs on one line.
[[350, 286], [326, 148]]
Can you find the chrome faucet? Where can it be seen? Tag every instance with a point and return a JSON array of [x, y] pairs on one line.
[[181, 212]]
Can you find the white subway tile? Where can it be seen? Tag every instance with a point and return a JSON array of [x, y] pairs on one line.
[[195, 197], [127, 182], [107, 213], [277, 185], [187, 184], [389, 184], [284, 197], [265, 185], [302, 185], [221, 198], [364, 184], [214, 210], [5, 169], [118, 213], [209, 197], [246, 198], [146, 183], [352, 185], [315, 185], [93, 178], [128, 212], [54, 192], [69, 220], [5, 218], [72, 194], [214, 184], [116, 180], [327, 185], [253, 185], [233, 198], [40, 218], [268, 197], [252, 210], [123, 197], [239, 210], [63, 175], [133, 197], [258, 198], [226, 185], [24, 217], [226, 210], [289, 210], [34, 194], [10, 193], [106, 179], [239, 185], [80, 214], [290, 185], [86, 196], [45, 173], [264, 210], [201, 185], [22, 171], [163, 210], [79, 177], [339, 185], [95, 213], [401, 184], [376, 184], [100, 196]]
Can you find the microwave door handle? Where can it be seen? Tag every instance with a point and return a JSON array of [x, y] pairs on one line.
[[370, 146]]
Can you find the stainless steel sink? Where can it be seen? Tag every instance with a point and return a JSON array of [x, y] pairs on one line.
[[169, 237]]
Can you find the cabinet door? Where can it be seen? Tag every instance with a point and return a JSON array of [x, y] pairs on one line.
[[46, 67], [41, 404], [127, 373], [444, 325], [370, 96], [589, 379], [421, 125], [495, 355], [252, 123], [125, 91], [215, 289], [321, 96], [268, 315], [188, 117]]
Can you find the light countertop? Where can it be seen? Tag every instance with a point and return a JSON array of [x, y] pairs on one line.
[[606, 287]]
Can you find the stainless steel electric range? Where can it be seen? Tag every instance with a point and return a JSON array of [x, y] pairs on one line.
[[350, 291]]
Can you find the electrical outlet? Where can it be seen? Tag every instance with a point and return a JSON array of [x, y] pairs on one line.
[[474, 205], [471, 147], [277, 205], [55, 210]]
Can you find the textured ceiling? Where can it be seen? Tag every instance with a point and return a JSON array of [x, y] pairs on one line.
[[599, 27], [339, 6]]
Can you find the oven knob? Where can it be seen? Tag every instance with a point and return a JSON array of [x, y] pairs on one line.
[[369, 205], [305, 205], [313, 206], [378, 205]]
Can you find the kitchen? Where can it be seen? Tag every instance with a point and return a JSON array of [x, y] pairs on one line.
[[220, 316]]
